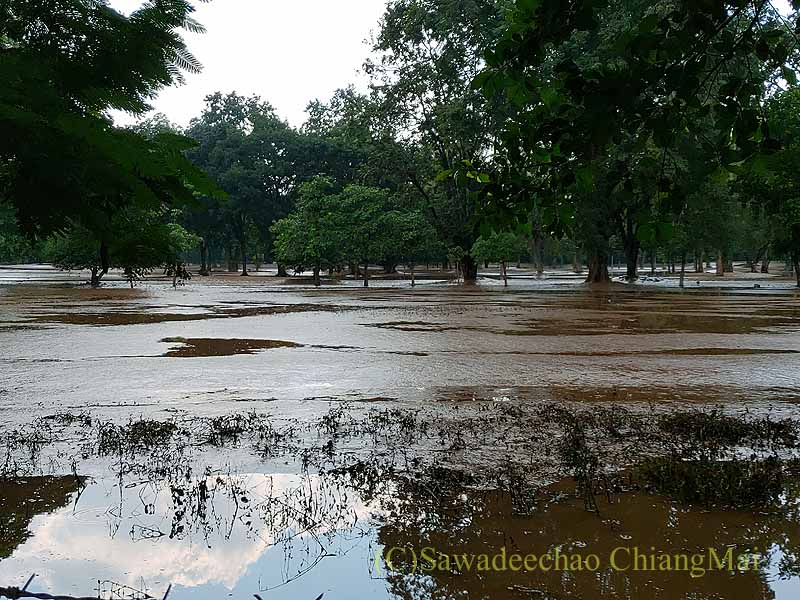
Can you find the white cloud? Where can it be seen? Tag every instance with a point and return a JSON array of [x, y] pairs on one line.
[[72, 546]]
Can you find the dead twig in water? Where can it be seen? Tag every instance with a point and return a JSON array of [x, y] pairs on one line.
[[14, 593]]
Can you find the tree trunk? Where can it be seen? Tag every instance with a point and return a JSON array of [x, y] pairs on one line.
[[469, 268], [796, 263], [413, 281], [366, 274], [765, 261], [505, 273], [632, 259], [683, 269], [233, 264], [204, 271], [598, 269], [720, 264], [243, 247], [729, 266], [577, 267], [652, 262], [105, 261], [282, 270], [105, 265], [698, 262], [316, 276]]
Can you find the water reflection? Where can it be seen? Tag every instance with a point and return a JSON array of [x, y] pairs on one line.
[[486, 524], [207, 536], [22, 499], [293, 536]]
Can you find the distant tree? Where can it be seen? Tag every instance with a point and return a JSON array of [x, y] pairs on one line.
[[257, 159], [499, 248], [141, 243], [312, 235], [412, 239], [357, 225], [15, 247]]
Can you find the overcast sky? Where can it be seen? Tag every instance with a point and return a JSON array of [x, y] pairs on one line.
[[289, 52]]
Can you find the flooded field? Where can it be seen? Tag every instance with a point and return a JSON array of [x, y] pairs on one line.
[[237, 437]]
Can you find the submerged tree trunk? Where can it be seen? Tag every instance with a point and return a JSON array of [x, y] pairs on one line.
[[230, 255], [469, 269], [598, 268], [632, 258], [97, 273], [537, 246], [796, 263], [244, 258], [698, 262], [683, 269], [204, 270]]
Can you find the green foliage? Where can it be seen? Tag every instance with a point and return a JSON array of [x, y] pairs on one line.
[[357, 225], [74, 250], [14, 246], [256, 158], [141, 242], [499, 247], [310, 236], [617, 108], [63, 64], [428, 52]]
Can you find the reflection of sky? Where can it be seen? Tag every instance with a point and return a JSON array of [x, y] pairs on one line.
[[784, 589], [74, 547]]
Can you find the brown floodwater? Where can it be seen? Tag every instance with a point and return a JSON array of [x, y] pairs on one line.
[[239, 525], [197, 347]]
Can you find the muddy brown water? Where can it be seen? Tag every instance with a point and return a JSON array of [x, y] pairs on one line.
[[249, 527]]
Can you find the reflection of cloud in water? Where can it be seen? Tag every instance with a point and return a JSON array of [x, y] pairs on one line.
[[152, 545]]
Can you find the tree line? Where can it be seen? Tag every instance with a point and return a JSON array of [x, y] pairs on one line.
[[567, 131]]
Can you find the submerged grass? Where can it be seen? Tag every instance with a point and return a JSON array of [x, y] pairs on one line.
[[709, 457]]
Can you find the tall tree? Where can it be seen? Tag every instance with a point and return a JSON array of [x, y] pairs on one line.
[[597, 86], [429, 52], [256, 158]]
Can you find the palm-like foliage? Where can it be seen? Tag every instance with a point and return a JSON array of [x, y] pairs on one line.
[[64, 64]]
